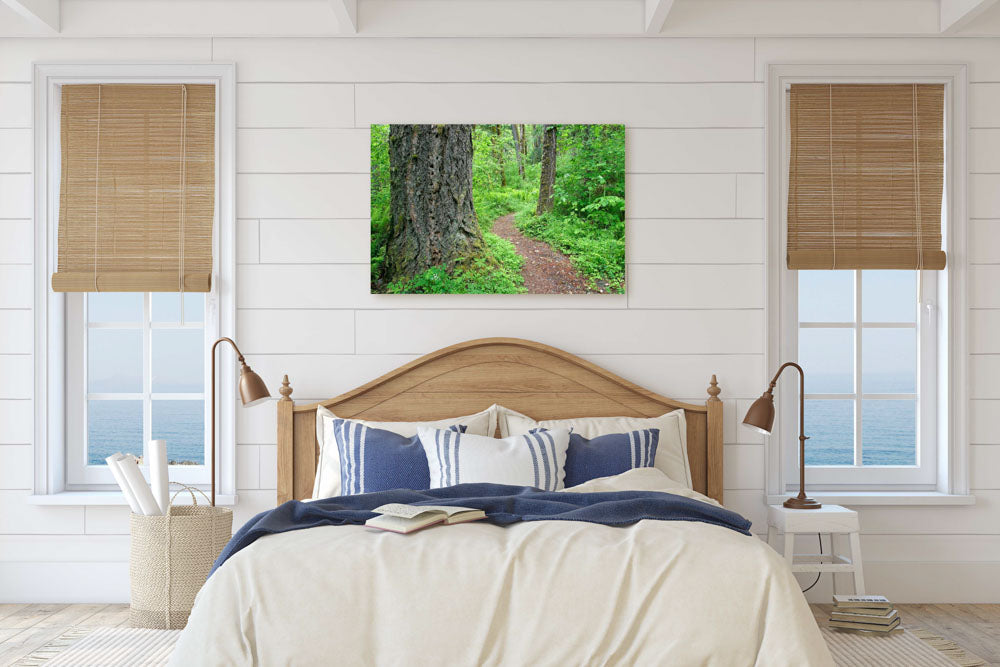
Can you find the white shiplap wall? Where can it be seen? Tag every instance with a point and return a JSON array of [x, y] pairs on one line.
[[694, 108]]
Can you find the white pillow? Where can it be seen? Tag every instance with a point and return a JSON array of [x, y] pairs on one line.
[[636, 479], [535, 459], [671, 452], [327, 482], [639, 479]]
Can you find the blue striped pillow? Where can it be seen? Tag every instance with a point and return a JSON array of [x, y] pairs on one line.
[[535, 459], [610, 454], [372, 459]]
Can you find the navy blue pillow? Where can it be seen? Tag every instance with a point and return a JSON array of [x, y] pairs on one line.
[[372, 459], [610, 454]]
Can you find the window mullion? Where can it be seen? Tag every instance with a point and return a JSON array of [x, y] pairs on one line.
[[147, 374], [84, 395], [858, 389]]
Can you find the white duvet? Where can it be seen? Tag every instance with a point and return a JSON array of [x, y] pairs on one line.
[[538, 593]]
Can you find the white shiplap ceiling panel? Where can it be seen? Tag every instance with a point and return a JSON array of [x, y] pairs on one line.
[[499, 18]]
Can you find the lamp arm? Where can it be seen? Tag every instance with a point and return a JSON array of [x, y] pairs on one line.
[[783, 366], [239, 355], [802, 394]]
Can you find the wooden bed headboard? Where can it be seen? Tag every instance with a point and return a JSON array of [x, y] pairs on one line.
[[540, 381]]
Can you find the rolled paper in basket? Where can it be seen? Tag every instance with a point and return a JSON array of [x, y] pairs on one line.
[[158, 474], [136, 482], [122, 483]]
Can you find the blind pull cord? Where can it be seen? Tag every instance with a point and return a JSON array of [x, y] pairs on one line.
[[97, 188], [180, 240], [916, 183], [833, 205]]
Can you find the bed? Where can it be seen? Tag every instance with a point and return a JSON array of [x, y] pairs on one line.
[[544, 592]]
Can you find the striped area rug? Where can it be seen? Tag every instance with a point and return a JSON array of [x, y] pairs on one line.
[[914, 648], [101, 647]]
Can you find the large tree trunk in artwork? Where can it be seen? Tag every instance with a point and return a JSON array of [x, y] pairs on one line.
[[548, 176], [518, 150], [432, 219]]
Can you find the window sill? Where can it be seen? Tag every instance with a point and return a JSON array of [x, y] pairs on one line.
[[849, 498], [112, 498]]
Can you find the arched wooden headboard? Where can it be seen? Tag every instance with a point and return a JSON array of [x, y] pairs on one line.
[[540, 381]]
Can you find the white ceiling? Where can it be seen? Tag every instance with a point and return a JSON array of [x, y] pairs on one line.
[[422, 18]]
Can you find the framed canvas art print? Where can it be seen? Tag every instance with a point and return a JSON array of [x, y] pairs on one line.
[[498, 209]]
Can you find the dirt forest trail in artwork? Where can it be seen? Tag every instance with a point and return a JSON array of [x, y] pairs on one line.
[[545, 271], [498, 209]]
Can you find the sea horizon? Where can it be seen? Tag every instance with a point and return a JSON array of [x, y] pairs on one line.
[[116, 426]]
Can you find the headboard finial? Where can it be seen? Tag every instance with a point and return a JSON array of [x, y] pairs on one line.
[[285, 390], [714, 389]]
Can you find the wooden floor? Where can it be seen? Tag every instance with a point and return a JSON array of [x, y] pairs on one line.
[[974, 627], [26, 627]]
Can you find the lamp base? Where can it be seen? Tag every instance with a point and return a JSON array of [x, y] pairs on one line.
[[802, 504]]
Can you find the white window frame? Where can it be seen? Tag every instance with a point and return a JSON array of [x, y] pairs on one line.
[[80, 475], [51, 482], [923, 475], [946, 312]]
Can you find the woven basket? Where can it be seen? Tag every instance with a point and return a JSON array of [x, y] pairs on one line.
[[170, 559]]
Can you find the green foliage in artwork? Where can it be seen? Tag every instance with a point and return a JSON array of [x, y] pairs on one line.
[[494, 203], [588, 220], [499, 272], [489, 147], [380, 194], [590, 174], [596, 253]]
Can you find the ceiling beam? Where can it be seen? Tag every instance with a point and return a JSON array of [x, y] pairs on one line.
[[44, 13], [347, 14], [958, 14], [656, 15]]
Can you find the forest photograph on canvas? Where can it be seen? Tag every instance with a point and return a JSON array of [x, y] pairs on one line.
[[498, 209]]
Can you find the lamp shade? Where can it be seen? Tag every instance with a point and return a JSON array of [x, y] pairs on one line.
[[760, 416], [252, 388]]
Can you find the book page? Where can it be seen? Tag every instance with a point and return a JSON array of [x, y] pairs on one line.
[[406, 511], [878, 599], [398, 524], [450, 511]]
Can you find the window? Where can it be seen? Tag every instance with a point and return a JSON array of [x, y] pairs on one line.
[[861, 338], [883, 349], [115, 369], [136, 372]]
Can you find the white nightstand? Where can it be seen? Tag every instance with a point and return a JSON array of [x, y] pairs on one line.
[[832, 519]]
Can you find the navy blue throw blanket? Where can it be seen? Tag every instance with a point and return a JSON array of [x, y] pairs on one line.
[[502, 503]]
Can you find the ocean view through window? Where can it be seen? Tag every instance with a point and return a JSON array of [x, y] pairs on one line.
[[858, 341], [145, 374]]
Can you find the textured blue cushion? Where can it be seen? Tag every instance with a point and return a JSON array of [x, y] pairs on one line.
[[610, 454], [372, 459]]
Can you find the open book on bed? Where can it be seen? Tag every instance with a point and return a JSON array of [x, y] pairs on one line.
[[402, 518]]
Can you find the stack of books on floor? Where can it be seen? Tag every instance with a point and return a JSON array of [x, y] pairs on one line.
[[864, 613]]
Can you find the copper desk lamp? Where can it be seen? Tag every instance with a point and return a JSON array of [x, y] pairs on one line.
[[760, 417]]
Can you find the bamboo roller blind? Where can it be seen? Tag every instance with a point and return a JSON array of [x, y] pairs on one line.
[[866, 176], [137, 193]]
